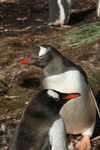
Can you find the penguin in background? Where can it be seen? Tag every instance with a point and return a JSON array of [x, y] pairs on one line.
[[64, 76], [98, 8], [59, 11], [41, 127]]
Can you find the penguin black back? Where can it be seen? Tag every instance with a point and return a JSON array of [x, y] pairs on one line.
[[41, 122]]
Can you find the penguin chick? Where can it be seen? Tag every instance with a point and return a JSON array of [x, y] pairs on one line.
[[64, 76], [41, 127], [59, 11]]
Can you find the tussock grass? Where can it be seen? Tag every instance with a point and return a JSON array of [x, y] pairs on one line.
[[83, 34], [95, 81]]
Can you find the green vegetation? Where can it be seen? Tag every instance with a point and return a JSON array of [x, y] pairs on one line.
[[82, 35]]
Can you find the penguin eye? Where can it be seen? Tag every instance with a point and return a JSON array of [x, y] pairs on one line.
[[56, 99], [41, 56]]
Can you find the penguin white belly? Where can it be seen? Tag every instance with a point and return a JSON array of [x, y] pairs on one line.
[[78, 114], [57, 135], [62, 14]]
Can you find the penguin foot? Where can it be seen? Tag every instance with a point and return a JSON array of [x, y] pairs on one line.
[[65, 26], [84, 144]]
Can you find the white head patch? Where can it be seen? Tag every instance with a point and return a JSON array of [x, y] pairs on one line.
[[43, 50], [53, 94]]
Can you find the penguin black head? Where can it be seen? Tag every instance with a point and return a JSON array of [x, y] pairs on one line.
[[59, 96], [51, 61], [58, 99], [49, 100], [40, 56]]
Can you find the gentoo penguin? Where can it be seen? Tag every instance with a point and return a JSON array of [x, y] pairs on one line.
[[59, 11], [41, 127], [63, 75]]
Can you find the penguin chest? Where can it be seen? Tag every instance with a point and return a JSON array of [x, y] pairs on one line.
[[59, 11], [69, 81], [62, 13], [59, 15], [57, 135], [79, 113]]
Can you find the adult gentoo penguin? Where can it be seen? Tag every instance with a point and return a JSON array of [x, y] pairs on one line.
[[59, 11], [41, 127], [63, 75]]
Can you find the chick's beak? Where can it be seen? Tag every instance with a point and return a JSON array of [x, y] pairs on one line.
[[72, 96]]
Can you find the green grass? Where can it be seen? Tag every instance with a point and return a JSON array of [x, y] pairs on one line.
[[83, 34], [94, 78], [16, 98]]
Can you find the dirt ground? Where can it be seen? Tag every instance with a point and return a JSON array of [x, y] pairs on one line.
[[23, 27]]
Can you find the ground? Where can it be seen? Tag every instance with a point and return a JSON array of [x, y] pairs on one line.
[[23, 27]]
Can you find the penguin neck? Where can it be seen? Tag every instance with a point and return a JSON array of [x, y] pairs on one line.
[[55, 66]]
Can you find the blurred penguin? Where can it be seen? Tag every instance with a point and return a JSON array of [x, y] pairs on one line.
[[59, 11]]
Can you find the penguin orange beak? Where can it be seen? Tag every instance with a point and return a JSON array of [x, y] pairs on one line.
[[24, 61], [72, 96]]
